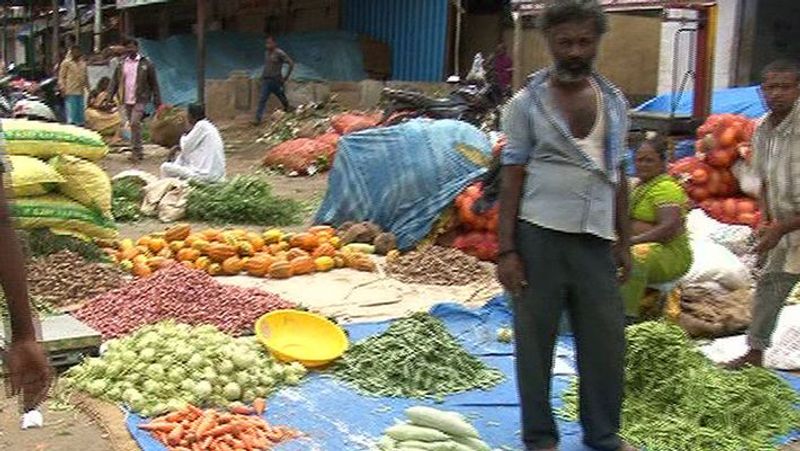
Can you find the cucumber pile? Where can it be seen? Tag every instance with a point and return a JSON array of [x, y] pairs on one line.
[[432, 429]]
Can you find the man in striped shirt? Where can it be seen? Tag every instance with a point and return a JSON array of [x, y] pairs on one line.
[[776, 147]]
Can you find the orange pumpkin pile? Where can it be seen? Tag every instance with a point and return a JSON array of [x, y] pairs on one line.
[[273, 254], [479, 231], [722, 140]]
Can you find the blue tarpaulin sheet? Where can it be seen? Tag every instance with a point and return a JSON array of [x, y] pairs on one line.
[[402, 177], [745, 101], [324, 55], [337, 418]]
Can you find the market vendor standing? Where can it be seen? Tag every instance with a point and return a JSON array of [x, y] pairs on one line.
[[136, 78], [564, 227], [202, 155], [273, 81], [776, 153], [24, 359]]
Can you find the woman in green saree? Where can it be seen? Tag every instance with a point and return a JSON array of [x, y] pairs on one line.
[[661, 250]]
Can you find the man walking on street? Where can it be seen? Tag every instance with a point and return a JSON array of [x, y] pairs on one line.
[[136, 77], [272, 79], [776, 153], [564, 231], [73, 82]]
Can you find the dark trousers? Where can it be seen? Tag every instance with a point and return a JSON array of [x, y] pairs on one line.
[[270, 86], [576, 272]]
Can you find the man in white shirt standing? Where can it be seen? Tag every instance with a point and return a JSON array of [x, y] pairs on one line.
[[202, 155]]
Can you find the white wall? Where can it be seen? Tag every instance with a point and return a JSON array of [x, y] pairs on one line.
[[726, 46]]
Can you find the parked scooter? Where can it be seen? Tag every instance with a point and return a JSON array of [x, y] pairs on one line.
[[474, 101], [19, 102]]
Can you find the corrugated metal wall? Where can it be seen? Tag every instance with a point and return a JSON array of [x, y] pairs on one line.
[[416, 30]]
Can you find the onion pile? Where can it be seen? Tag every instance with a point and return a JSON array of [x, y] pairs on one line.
[[182, 294]]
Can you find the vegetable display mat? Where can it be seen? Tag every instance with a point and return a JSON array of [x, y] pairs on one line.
[[335, 417]]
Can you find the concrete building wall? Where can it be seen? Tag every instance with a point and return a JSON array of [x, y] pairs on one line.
[[237, 96], [629, 53]]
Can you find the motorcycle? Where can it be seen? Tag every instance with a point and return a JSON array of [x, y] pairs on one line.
[[476, 101], [38, 101]]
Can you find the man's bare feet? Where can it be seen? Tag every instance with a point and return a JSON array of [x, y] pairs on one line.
[[753, 357], [628, 447]]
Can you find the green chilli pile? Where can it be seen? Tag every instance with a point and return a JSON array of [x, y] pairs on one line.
[[416, 358], [678, 400]]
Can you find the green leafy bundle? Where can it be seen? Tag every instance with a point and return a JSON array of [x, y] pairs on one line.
[[678, 400], [416, 357], [245, 199], [126, 199]]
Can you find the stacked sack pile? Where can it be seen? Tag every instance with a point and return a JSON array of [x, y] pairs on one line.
[[710, 176], [55, 181], [307, 156]]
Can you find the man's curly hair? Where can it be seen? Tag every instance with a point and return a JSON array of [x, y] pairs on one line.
[[558, 12]]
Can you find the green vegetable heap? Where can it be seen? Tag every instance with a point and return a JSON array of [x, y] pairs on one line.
[[417, 358], [677, 400], [127, 196], [245, 199], [162, 367]]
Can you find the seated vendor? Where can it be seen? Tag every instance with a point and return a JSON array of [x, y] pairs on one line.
[[102, 114], [661, 250], [202, 153]]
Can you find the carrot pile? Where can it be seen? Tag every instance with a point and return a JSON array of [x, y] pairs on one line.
[[239, 429]]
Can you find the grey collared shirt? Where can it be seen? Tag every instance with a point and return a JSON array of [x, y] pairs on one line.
[[565, 188], [776, 154]]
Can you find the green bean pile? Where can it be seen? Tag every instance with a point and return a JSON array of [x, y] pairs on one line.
[[416, 358], [676, 399]]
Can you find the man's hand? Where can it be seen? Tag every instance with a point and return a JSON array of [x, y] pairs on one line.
[[622, 258], [29, 372], [769, 237], [511, 273]]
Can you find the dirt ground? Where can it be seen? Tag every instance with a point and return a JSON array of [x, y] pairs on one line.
[[347, 294]]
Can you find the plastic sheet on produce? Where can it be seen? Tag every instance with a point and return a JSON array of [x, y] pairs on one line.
[[335, 417], [745, 101], [402, 177]]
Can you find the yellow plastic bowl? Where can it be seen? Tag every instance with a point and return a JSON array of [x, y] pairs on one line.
[[295, 336]]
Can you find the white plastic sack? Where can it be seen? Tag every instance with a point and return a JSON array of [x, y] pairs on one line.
[[749, 182], [173, 205], [784, 353], [714, 263], [700, 225], [166, 199], [736, 238]]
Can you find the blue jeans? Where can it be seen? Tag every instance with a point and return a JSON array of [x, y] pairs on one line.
[[270, 86], [76, 109]]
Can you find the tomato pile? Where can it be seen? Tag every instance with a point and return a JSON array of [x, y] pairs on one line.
[[479, 231], [722, 140]]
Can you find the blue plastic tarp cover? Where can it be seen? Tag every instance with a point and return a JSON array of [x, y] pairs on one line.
[[745, 101], [334, 417], [323, 55], [402, 177]]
